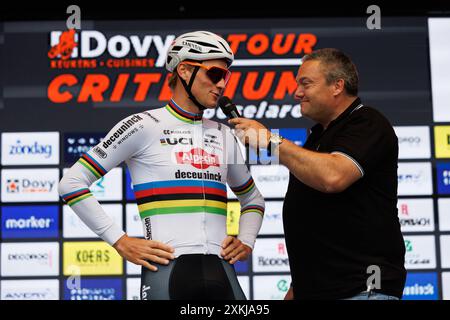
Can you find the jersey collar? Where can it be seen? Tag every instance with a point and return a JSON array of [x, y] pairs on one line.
[[182, 114]]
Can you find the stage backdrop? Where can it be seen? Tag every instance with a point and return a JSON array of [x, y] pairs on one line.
[[62, 91]]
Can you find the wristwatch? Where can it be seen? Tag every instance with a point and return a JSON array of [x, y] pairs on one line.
[[274, 140]]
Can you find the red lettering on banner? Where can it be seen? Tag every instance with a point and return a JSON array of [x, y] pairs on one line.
[[250, 92], [119, 88], [258, 44], [145, 80], [286, 85], [53, 92], [234, 40], [93, 87], [279, 44]]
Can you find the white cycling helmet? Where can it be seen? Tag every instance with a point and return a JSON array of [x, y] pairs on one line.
[[199, 46]]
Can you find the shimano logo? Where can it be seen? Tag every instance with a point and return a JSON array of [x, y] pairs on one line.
[[20, 149], [30, 223], [262, 261]]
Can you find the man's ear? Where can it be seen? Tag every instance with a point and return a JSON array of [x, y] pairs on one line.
[[183, 72], [339, 87]]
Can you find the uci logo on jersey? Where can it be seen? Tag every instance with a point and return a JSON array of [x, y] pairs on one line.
[[175, 141]]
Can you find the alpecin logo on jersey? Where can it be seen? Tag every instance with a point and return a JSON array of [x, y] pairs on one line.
[[198, 158]]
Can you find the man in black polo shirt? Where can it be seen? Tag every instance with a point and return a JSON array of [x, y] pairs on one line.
[[340, 212]]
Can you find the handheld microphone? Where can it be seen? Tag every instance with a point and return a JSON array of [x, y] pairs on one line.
[[228, 107]]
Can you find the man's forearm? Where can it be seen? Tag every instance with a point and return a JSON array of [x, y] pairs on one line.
[[315, 169]]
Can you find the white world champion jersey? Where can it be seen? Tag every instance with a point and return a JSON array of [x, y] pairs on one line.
[[180, 164]]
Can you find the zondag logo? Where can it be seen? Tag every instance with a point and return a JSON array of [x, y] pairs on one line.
[[198, 158]]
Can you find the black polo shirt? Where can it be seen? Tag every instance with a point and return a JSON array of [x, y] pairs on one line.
[[332, 239]]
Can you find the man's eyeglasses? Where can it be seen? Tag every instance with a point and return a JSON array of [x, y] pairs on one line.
[[214, 73]]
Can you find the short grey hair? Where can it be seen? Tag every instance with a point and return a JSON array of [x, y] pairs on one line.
[[336, 65]]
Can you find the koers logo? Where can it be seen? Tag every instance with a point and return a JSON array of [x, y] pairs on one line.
[[92, 256]]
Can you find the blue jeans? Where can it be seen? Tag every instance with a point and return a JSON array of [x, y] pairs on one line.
[[371, 296]]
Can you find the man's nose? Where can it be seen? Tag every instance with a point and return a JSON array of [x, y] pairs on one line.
[[298, 93], [221, 84]]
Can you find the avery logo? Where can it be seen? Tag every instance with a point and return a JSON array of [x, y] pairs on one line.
[[421, 286], [198, 158], [29, 222], [30, 290]]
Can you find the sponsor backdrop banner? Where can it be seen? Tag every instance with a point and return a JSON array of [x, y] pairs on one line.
[[64, 89]]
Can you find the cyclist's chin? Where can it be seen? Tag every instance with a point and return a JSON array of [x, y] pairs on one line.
[[212, 101]]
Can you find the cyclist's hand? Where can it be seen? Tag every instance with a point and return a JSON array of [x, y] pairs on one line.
[[234, 250], [140, 251]]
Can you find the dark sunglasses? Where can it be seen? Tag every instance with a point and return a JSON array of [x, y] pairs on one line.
[[214, 73]]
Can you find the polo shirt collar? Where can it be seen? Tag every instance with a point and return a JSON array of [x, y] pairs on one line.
[[318, 127]]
